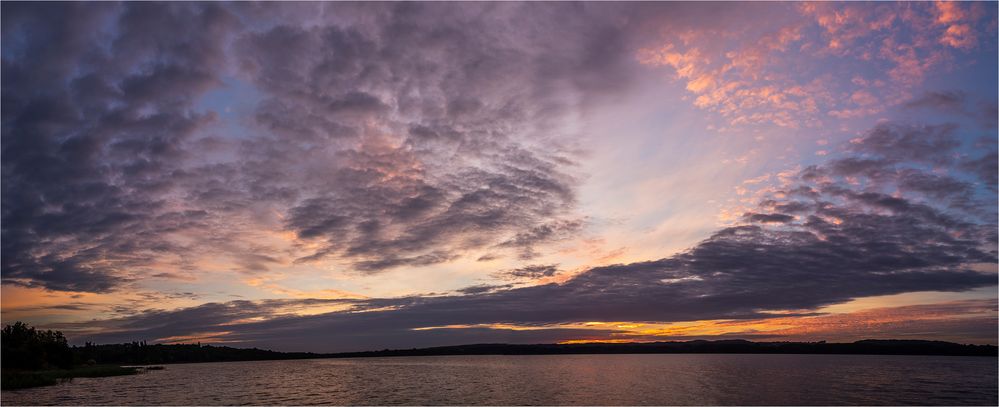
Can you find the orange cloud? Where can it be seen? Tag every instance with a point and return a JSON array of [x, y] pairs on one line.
[[957, 320], [948, 12], [780, 76], [201, 337], [958, 34]]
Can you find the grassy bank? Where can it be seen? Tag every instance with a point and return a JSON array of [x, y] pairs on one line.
[[23, 379]]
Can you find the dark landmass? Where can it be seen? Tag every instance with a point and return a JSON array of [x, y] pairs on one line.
[[139, 353], [12, 379], [32, 358], [865, 347]]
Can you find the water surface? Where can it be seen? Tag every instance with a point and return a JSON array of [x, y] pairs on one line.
[[547, 380]]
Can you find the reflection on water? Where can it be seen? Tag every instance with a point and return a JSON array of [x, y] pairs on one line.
[[547, 380]]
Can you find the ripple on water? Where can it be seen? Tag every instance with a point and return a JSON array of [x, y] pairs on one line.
[[546, 380]]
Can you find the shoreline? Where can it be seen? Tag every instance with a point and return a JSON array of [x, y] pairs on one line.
[[26, 379]]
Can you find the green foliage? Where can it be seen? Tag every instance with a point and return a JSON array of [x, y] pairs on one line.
[[24, 347]]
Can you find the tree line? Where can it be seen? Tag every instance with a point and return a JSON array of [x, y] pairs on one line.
[[27, 348]]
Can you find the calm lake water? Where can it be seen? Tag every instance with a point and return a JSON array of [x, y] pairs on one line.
[[547, 380]]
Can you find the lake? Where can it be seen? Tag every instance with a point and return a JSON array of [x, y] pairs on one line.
[[664, 379]]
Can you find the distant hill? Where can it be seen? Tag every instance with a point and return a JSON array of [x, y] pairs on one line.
[[864, 347], [140, 353]]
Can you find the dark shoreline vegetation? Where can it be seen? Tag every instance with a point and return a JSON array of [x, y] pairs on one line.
[[32, 358], [22, 379], [37, 358]]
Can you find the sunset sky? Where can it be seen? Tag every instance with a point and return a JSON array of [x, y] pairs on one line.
[[357, 176]]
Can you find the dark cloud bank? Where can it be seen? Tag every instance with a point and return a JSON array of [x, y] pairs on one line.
[[392, 135], [832, 235], [412, 136]]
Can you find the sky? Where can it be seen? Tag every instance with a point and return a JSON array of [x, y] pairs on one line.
[[356, 176]]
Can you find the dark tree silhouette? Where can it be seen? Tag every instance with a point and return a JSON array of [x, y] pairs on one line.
[[24, 347]]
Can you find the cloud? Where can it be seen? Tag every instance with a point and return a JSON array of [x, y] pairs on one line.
[[988, 114], [483, 288], [384, 136], [847, 239], [93, 131], [768, 217], [952, 101], [405, 135], [532, 272], [469, 165], [932, 144], [741, 73], [985, 168], [958, 321], [958, 33]]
